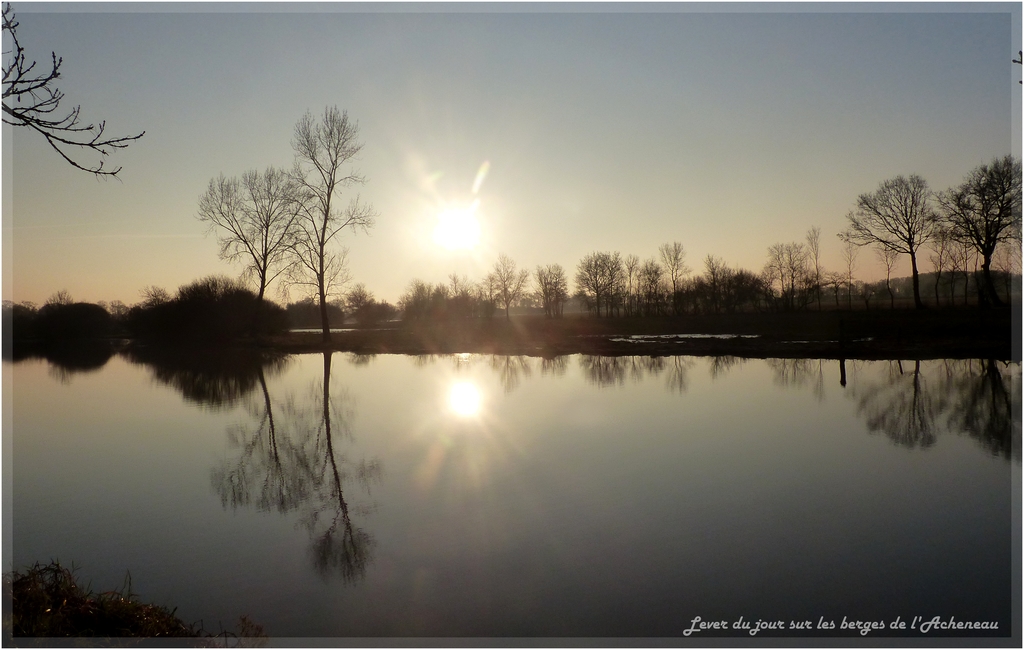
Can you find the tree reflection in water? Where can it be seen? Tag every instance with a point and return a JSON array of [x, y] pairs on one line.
[[214, 378], [902, 406], [555, 366], [511, 369], [984, 402], [612, 371], [289, 453], [798, 373], [339, 547], [720, 365], [65, 359], [977, 398]]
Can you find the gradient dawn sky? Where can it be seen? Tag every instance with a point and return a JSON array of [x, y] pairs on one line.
[[619, 127]]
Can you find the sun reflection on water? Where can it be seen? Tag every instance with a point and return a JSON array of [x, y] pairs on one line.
[[464, 399]]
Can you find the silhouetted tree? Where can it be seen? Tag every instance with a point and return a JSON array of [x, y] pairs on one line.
[[552, 289], [508, 282], [787, 266], [835, 281], [983, 211], [415, 302], [32, 100], [254, 218], [630, 282], [888, 257], [850, 251], [896, 216], [673, 259], [323, 149], [815, 271], [650, 287], [940, 245], [597, 276]]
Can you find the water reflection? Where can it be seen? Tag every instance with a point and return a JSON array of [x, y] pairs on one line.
[[290, 458], [215, 378], [985, 403], [908, 402], [464, 399], [67, 360], [511, 369], [798, 373], [721, 365], [555, 366], [612, 371], [977, 398]]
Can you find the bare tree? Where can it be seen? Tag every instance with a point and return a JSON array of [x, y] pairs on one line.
[[651, 287], [61, 298], [509, 283], [673, 258], [32, 100], [835, 280], [814, 261], [983, 211], [896, 216], [850, 251], [552, 289], [960, 258], [888, 257], [631, 276], [255, 220], [323, 149], [940, 245], [597, 276], [787, 264]]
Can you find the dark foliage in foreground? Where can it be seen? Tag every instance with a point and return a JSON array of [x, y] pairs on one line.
[[46, 601], [210, 310]]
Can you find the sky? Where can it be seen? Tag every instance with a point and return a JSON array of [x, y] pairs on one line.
[[601, 127]]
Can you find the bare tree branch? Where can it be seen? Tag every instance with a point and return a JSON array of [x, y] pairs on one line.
[[31, 98]]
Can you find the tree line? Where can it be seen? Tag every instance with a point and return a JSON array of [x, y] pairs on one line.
[[972, 230], [286, 225]]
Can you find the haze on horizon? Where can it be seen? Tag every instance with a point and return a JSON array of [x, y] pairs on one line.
[[599, 127]]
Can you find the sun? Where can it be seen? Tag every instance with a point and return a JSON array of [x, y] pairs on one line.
[[457, 228]]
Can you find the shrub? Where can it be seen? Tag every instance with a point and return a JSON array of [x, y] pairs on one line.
[[211, 310]]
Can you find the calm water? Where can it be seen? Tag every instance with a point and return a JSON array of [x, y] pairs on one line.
[[483, 496]]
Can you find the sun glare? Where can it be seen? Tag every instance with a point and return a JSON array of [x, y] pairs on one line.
[[464, 399], [458, 228]]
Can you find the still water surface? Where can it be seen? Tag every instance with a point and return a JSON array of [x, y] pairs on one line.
[[477, 495]]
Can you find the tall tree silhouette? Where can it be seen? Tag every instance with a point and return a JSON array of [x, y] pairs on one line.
[[324, 150], [897, 216], [255, 220], [984, 211]]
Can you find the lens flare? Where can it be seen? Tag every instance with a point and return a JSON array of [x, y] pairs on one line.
[[464, 399], [481, 174]]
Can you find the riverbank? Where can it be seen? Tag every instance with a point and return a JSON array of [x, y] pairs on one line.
[[906, 334], [882, 334]]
